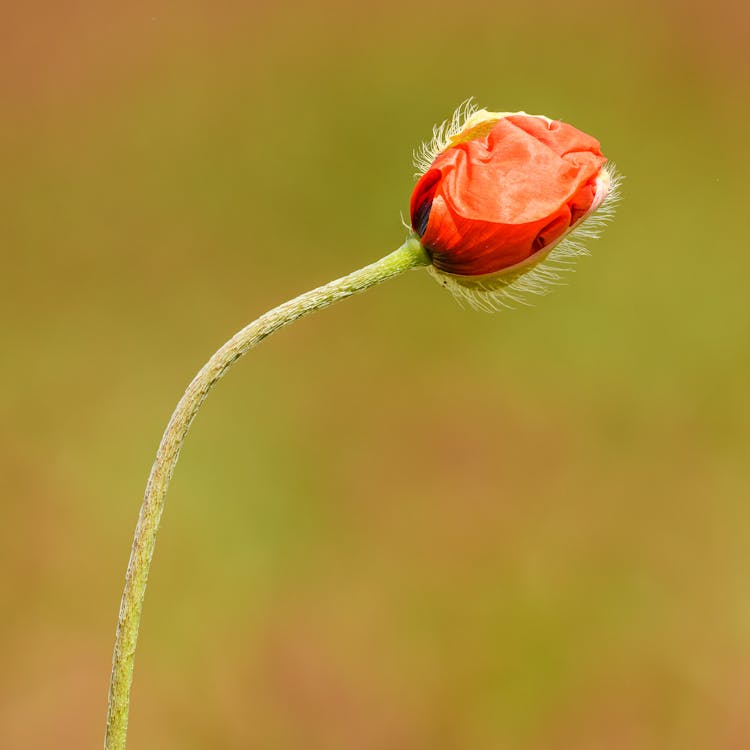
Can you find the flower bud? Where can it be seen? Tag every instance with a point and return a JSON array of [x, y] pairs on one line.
[[498, 195]]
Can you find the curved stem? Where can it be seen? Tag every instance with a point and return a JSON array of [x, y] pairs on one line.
[[409, 255]]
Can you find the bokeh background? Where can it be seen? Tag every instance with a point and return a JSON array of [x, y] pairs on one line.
[[399, 524]]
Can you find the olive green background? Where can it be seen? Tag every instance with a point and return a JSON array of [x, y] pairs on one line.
[[399, 524]]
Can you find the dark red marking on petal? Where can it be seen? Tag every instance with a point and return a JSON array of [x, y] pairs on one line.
[[421, 200]]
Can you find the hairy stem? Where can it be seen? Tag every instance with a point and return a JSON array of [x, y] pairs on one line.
[[409, 255]]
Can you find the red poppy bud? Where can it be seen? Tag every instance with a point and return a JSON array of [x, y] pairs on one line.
[[499, 193]]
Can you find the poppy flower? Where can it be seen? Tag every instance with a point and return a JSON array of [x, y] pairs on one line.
[[502, 201]]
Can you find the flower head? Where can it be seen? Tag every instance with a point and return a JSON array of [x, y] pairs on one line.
[[503, 199]]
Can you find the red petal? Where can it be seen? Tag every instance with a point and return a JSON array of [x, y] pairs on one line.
[[495, 200]]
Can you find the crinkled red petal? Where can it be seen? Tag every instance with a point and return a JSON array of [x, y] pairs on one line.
[[494, 201]]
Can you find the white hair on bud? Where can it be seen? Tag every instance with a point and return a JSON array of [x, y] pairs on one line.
[[441, 136], [496, 293]]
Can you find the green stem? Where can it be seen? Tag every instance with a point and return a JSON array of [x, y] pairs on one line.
[[409, 255]]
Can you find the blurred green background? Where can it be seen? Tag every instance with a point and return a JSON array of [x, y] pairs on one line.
[[399, 524]]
